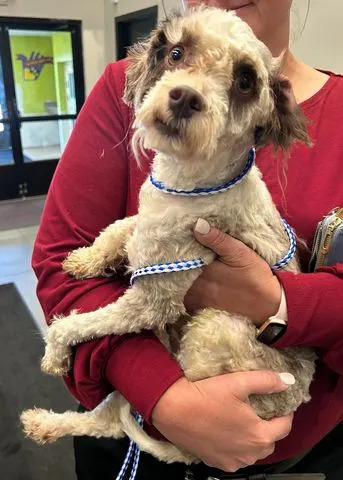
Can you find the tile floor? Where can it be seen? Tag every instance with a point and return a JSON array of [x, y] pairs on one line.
[[15, 267]]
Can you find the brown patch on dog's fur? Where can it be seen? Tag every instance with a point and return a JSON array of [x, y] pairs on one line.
[[147, 60], [287, 123], [188, 39], [240, 69], [145, 66], [158, 48]]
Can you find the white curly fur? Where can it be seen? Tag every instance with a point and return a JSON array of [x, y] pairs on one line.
[[211, 147]]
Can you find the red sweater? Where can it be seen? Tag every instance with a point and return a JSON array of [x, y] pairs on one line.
[[97, 181]]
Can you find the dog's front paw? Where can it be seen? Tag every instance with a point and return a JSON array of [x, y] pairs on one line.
[[38, 426], [86, 262], [56, 360]]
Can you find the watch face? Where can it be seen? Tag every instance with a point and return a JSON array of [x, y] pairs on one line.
[[272, 333]]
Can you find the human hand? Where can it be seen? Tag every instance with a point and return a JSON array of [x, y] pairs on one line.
[[213, 420], [239, 281]]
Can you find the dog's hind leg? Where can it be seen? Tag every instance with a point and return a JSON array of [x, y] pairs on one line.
[[138, 309], [111, 419], [45, 426], [106, 253]]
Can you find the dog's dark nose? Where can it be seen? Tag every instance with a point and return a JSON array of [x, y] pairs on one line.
[[184, 102]]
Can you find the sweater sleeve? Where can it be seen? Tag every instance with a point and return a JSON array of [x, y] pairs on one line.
[[89, 192], [315, 306]]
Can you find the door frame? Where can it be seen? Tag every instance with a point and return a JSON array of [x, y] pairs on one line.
[[120, 25], [33, 178]]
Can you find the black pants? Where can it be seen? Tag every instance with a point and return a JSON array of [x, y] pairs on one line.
[[101, 459]]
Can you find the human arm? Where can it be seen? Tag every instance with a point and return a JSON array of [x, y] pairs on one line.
[[214, 417]]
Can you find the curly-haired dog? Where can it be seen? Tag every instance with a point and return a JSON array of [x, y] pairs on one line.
[[204, 91]]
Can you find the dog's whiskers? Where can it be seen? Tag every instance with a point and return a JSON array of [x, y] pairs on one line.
[[138, 145], [125, 136]]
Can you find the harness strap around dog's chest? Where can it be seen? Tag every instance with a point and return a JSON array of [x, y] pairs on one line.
[[292, 247], [177, 266], [184, 265], [191, 264]]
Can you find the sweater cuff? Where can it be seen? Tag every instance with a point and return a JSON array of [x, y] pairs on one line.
[[314, 309], [142, 369]]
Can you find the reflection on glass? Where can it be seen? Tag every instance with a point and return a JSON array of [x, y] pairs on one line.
[[6, 155], [45, 140], [3, 105], [43, 72]]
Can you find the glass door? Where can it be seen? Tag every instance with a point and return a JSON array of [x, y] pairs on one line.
[[41, 93], [6, 153]]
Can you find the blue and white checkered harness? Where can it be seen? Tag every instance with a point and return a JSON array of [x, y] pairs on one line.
[[177, 266], [191, 264], [184, 265]]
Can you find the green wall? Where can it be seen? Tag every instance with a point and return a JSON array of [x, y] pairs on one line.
[[34, 92], [61, 90], [50, 85], [62, 48]]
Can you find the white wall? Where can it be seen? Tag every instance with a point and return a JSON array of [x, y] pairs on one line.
[[321, 43], [90, 12]]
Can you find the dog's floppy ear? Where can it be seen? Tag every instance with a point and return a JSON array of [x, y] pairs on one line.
[[146, 65], [138, 60], [137, 65], [287, 123]]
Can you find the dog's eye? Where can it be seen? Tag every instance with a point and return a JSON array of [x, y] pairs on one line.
[[245, 81], [176, 55]]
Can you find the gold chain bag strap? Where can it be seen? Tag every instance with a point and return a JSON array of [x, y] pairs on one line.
[[328, 241]]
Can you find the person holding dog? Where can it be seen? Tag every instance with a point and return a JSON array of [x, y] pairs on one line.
[[97, 181]]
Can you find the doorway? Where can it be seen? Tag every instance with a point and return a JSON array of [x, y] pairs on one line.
[[134, 27], [41, 94]]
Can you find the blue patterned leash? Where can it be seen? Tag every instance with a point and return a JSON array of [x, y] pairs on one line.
[[134, 451]]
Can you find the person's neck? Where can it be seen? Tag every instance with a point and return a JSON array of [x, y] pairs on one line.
[[305, 80]]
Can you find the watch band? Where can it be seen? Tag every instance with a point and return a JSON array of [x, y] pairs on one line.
[[273, 329]]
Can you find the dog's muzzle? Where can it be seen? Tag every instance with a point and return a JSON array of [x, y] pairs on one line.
[[184, 102]]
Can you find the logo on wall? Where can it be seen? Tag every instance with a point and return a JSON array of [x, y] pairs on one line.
[[33, 66]]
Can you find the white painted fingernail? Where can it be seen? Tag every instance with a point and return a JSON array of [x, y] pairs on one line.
[[287, 378], [202, 227]]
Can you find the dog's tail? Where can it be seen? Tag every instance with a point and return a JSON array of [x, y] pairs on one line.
[[163, 451]]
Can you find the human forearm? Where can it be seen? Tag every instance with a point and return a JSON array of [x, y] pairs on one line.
[[314, 306]]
